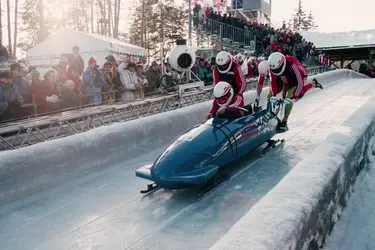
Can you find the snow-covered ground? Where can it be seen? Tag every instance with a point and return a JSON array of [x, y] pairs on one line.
[[356, 228]]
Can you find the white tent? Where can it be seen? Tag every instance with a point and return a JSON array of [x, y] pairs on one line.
[[340, 39], [48, 52]]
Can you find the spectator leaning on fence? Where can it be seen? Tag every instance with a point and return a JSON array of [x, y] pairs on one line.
[[93, 82], [10, 98], [142, 80], [129, 80], [153, 76], [20, 82], [108, 92], [70, 89], [116, 77], [46, 92]]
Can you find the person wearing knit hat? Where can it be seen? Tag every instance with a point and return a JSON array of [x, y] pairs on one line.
[[93, 82], [142, 80], [92, 62], [140, 67], [10, 107]]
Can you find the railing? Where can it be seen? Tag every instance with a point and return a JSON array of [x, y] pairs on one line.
[[34, 130], [227, 35]]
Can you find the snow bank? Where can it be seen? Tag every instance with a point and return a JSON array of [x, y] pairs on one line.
[[26, 170], [300, 211], [355, 229]]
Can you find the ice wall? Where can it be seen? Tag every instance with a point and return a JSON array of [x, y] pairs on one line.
[[301, 210], [44, 165]]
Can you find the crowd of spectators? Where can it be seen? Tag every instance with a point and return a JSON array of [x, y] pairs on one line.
[[365, 69], [24, 93], [268, 39]]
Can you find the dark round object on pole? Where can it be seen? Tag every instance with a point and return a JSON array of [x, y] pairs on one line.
[[184, 60]]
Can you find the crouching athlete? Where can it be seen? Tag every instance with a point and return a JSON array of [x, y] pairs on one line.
[[287, 75], [225, 97], [230, 72]]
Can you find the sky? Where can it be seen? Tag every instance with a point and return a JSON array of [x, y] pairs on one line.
[[348, 15], [330, 15]]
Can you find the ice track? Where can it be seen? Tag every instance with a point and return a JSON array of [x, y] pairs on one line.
[[105, 210]]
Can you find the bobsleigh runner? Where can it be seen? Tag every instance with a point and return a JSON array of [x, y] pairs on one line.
[[196, 157]]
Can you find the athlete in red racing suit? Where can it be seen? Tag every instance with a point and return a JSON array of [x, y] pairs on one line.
[[231, 72], [287, 75]]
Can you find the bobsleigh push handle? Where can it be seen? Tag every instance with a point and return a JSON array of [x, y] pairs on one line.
[[280, 101], [233, 109]]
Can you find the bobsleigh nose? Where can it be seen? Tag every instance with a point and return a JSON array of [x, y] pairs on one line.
[[193, 158], [182, 180], [196, 176]]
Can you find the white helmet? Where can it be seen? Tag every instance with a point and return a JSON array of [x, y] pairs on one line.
[[277, 63], [240, 57], [224, 61], [263, 68], [223, 93], [261, 58]]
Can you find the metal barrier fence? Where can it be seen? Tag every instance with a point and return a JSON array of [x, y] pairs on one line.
[[34, 130], [225, 33]]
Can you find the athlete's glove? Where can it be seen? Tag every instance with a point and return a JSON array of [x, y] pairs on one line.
[[256, 101], [295, 98], [289, 100]]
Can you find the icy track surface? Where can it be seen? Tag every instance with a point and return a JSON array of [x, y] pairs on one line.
[[356, 227], [105, 210]]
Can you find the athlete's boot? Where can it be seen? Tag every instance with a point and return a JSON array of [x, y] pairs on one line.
[[317, 84], [282, 126]]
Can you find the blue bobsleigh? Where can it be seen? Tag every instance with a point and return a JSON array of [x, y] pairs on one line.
[[197, 156]]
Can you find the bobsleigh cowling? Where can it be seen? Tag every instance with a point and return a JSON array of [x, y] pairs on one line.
[[196, 156]]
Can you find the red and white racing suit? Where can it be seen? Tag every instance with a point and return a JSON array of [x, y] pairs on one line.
[[236, 78], [294, 75]]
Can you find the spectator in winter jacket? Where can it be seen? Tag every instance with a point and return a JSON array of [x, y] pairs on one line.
[[69, 97], [153, 76], [78, 62], [109, 76], [72, 75], [92, 83], [204, 72], [116, 77], [10, 98], [35, 77], [44, 90], [61, 68], [20, 82], [142, 79], [129, 80]]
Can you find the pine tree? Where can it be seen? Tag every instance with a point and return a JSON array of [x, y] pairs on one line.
[[78, 15], [160, 20], [136, 33], [15, 28], [311, 22], [283, 25], [10, 51], [299, 18], [32, 25]]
